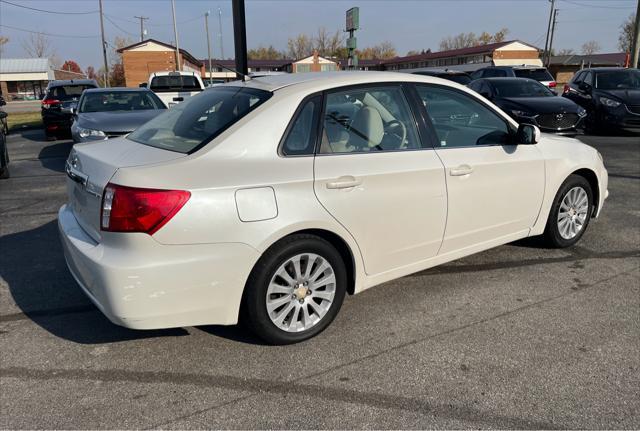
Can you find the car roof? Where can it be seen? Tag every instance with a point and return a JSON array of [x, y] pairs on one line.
[[604, 69], [508, 79], [117, 89], [322, 80], [62, 82], [441, 72]]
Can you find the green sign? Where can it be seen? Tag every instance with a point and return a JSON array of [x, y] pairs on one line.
[[353, 19], [352, 42]]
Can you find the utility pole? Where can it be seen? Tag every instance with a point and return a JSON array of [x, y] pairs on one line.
[[546, 41], [635, 46], [240, 39], [142, 19], [220, 34], [104, 48], [175, 34], [206, 26], [553, 29]]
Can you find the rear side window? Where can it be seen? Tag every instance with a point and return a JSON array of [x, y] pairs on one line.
[[172, 83], [578, 78], [301, 135], [67, 92], [537, 74], [191, 124]]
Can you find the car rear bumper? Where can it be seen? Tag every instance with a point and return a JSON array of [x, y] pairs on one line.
[[141, 284]]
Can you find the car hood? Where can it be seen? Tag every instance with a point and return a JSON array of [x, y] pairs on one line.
[[627, 96], [122, 121], [539, 105]]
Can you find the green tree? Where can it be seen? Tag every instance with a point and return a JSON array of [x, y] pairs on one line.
[[264, 53]]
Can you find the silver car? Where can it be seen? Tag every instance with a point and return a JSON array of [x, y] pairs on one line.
[[103, 113]]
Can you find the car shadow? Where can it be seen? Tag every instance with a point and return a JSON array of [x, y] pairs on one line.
[[54, 156], [46, 293]]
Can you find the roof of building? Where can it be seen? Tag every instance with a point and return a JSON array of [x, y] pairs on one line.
[[184, 53], [607, 59], [479, 49], [24, 65]]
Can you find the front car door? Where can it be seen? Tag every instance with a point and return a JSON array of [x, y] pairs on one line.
[[494, 188], [376, 177]]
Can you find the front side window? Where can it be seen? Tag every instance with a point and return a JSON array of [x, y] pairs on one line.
[[368, 119], [461, 121], [301, 136], [112, 101], [624, 79], [191, 124]]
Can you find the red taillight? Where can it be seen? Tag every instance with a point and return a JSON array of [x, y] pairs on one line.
[[129, 209], [566, 88], [48, 103], [552, 84]]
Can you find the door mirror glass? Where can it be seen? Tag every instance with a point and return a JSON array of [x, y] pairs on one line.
[[527, 134]]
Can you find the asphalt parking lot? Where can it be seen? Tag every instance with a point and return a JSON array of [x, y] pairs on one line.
[[515, 337]]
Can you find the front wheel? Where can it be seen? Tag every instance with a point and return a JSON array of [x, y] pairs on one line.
[[570, 213], [295, 290]]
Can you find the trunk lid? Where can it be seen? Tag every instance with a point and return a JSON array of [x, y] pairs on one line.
[[89, 168]]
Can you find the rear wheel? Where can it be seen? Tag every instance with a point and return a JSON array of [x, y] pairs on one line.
[[570, 213], [295, 290]]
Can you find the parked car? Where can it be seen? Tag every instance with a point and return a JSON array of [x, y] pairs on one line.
[[610, 95], [540, 74], [4, 151], [269, 200], [528, 101], [3, 121], [105, 113], [60, 97], [175, 87], [452, 75]]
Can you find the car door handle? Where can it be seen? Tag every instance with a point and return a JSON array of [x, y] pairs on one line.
[[344, 182], [461, 170]]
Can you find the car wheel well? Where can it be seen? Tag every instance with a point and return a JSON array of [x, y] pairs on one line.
[[592, 179], [342, 247]]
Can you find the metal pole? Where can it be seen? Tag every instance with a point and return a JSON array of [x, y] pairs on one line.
[[546, 41], [240, 39], [141, 18], [104, 49], [553, 29], [206, 26], [635, 46], [220, 34], [175, 34]]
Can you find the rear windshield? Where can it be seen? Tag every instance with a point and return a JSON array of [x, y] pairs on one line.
[[191, 124], [67, 92], [110, 101], [460, 79], [171, 83], [520, 88], [624, 79], [537, 74]]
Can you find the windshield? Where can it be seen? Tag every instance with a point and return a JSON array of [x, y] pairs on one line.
[[537, 74], [67, 92], [521, 88], [111, 101], [172, 83], [191, 124], [618, 79]]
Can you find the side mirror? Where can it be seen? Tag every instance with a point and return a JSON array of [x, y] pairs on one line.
[[3, 115], [527, 134], [583, 86], [2, 102], [143, 85]]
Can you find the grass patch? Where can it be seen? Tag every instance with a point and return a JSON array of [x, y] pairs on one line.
[[22, 120]]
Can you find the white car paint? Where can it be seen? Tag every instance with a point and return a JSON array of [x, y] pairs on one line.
[[172, 98], [406, 211]]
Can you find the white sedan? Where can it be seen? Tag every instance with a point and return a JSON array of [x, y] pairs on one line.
[[269, 200]]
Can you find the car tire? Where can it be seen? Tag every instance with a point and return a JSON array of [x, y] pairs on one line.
[[570, 214], [282, 311]]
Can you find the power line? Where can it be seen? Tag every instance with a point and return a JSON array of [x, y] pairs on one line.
[[118, 27], [598, 6], [49, 34], [48, 11]]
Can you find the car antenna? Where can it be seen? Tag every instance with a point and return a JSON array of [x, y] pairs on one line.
[[245, 78]]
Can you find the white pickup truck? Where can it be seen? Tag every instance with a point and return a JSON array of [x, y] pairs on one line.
[[174, 87]]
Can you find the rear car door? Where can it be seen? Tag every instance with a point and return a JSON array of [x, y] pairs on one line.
[[377, 178], [494, 188]]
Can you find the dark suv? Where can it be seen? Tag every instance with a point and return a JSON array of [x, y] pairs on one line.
[[540, 74], [451, 75], [59, 98]]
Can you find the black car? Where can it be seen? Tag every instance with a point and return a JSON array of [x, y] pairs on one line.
[[529, 101], [610, 95], [3, 122], [4, 152], [59, 98], [540, 74], [451, 75]]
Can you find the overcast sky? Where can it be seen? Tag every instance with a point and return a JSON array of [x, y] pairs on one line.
[[407, 24]]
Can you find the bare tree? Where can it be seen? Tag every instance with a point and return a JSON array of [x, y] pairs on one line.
[[466, 40], [3, 41], [565, 51], [590, 47], [300, 46], [328, 45], [382, 51], [265, 53], [37, 45], [625, 39]]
